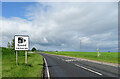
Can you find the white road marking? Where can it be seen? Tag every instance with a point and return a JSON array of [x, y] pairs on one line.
[[88, 69], [71, 60], [62, 59], [58, 58], [48, 74]]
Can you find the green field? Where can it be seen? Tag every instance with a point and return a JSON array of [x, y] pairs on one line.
[[111, 57], [0, 63], [33, 68]]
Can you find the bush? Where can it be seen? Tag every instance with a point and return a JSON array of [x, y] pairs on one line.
[[33, 49]]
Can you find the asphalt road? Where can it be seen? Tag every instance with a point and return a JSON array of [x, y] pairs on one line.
[[60, 66]]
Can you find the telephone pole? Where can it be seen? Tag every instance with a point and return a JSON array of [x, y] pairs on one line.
[[80, 45]]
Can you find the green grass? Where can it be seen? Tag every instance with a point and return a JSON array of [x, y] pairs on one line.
[[111, 57], [33, 68], [0, 63]]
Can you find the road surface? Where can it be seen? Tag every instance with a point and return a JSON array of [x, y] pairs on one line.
[[67, 67]]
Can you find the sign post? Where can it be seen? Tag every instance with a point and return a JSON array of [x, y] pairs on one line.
[[21, 44], [26, 57], [16, 57]]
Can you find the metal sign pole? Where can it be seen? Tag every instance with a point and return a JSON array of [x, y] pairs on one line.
[[16, 57], [26, 57]]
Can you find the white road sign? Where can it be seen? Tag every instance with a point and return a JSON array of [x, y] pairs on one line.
[[21, 42]]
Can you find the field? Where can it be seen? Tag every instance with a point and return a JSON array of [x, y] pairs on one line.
[[33, 68], [0, 63], [110, 57]]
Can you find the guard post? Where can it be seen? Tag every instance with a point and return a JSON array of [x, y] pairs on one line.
[[98, 51]]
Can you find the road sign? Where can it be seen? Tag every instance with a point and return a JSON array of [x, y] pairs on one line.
[[21, 42]]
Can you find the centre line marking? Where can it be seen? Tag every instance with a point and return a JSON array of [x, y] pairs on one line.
[[48, 74], [88, 69]]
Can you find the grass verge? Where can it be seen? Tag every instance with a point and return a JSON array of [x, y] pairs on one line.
[[110, 57], [0, 63], [33, 68]]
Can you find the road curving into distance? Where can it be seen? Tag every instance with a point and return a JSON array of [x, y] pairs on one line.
[[67, 67]]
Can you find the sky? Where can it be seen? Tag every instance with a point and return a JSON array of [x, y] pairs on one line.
[[61, 25]]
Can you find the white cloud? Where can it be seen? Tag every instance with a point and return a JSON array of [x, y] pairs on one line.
[[45, 40], [61, 26]]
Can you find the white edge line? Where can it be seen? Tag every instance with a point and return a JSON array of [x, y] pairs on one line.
[[88, 69], [48, 74]]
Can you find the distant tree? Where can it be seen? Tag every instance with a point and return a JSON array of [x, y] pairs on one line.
[[56, 51], [33, 49], [8, 45], [12, 44]]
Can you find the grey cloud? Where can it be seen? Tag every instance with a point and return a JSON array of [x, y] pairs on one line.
[[60, 26]]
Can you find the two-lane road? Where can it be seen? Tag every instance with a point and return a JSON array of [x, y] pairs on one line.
[[61, 66]]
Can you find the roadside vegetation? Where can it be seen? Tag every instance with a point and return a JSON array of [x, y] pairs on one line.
[[110, 57], [34, 49], [0, 63], [33, 68]]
